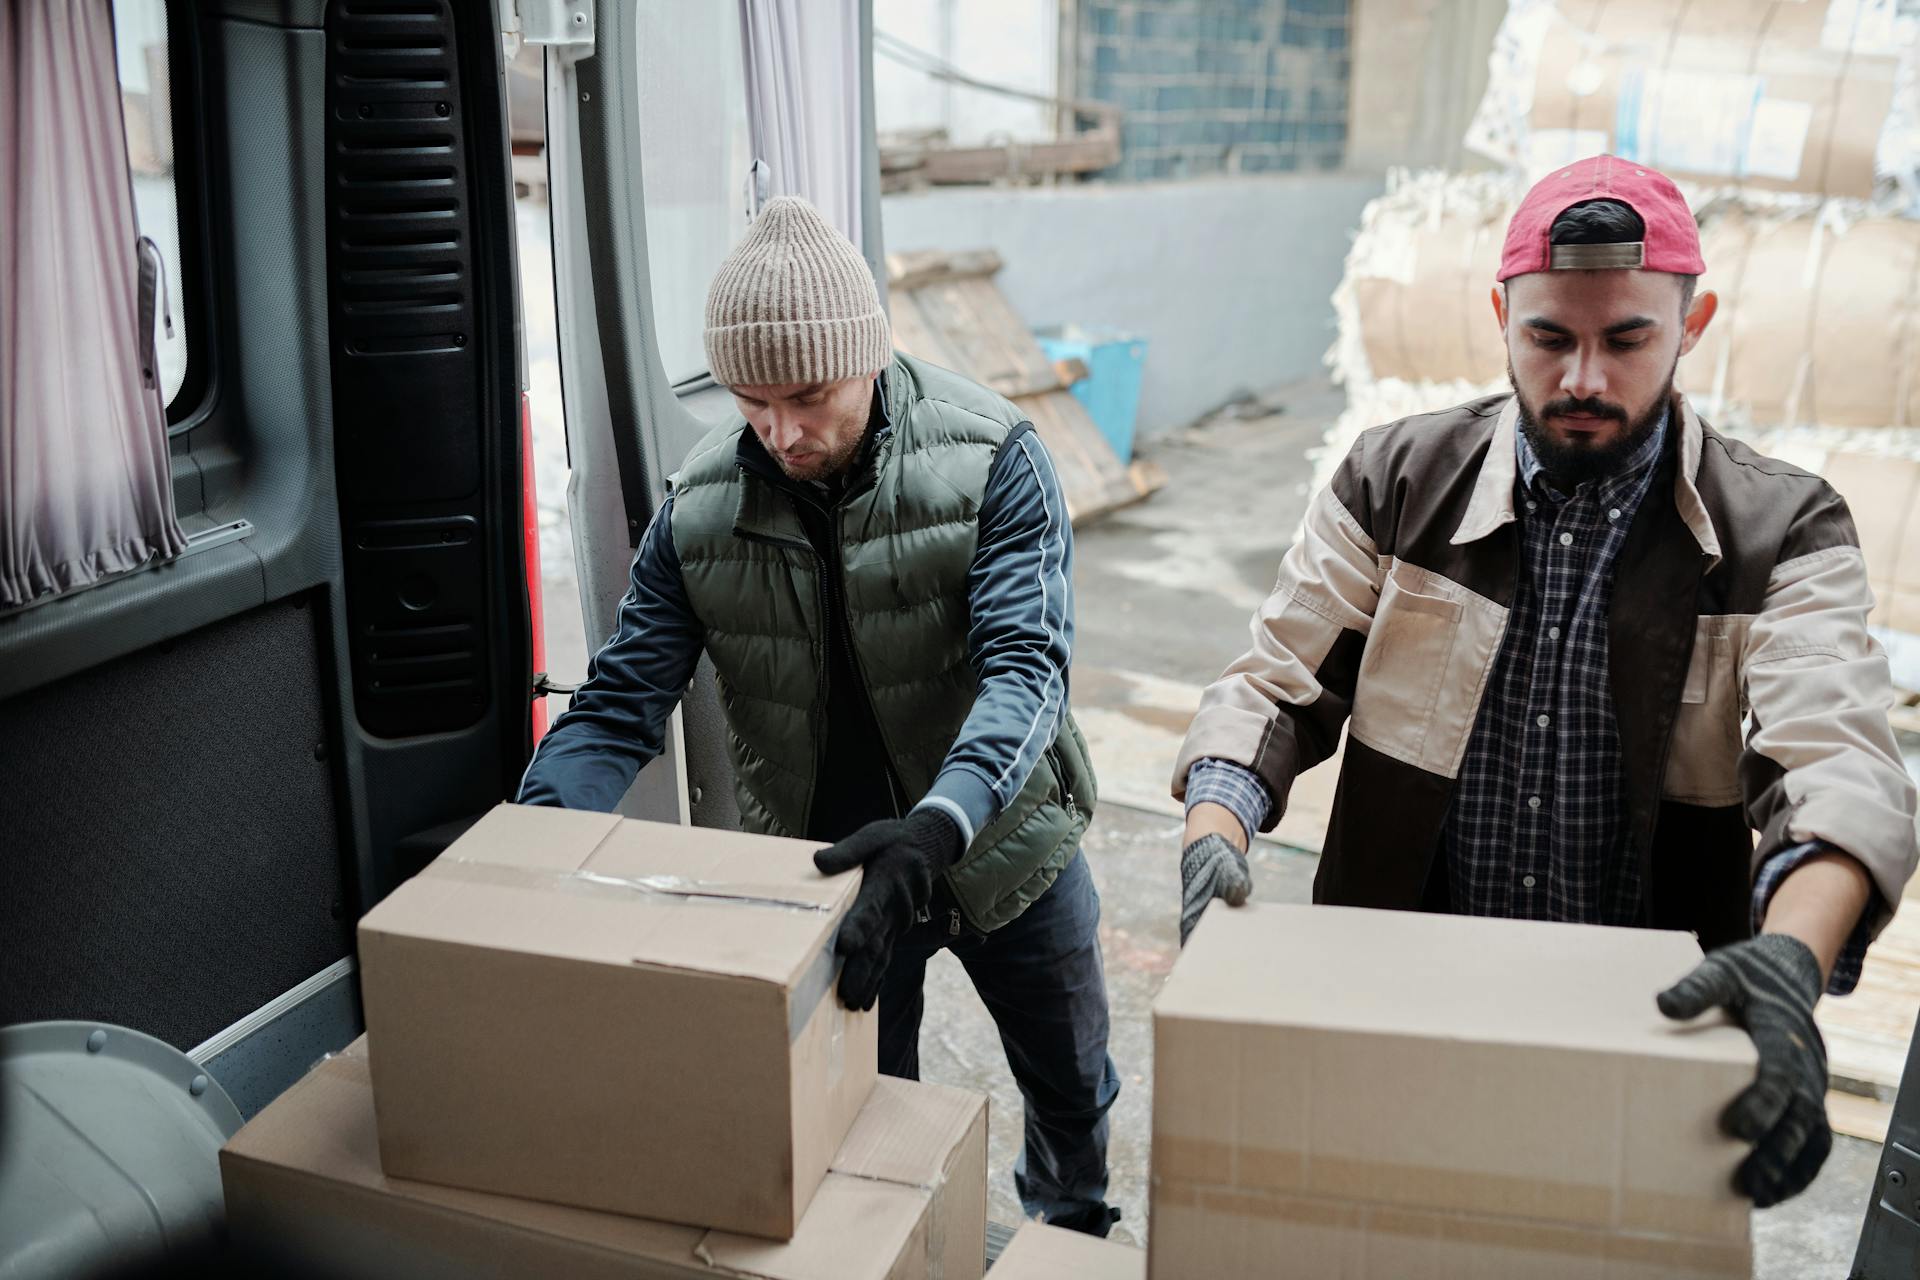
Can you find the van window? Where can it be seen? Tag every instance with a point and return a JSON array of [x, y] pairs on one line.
[[695, 157], [140, 39]]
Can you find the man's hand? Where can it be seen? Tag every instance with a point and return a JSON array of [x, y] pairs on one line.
[[902, 857], [1769, 985], [1210, 868]]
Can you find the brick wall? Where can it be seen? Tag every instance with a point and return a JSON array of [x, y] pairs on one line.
[[1219, 86]]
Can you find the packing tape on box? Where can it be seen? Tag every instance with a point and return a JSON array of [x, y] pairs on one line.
[[1704, 1257], [936, 1217], [596, 884], [1267, 1182], [812, 986], [1691, 1253]]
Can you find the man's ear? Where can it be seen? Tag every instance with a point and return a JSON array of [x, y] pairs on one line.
[[1500, 307], [1705, 306]]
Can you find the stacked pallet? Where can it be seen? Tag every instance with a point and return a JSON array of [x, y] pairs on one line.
[[947, 310]]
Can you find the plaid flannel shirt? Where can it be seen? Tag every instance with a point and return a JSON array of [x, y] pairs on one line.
[[1535, 828]]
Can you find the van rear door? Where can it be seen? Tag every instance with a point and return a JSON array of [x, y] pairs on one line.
[[214, 765]]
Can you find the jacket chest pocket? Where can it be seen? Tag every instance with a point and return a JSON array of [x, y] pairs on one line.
[[1407, 662], [1703, 761]]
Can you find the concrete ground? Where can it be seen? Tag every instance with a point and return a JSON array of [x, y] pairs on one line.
[[1164, 591]]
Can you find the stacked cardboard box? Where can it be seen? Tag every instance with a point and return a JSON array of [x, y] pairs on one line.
[[1040, 1252], [905, 1198], [1388, 1095], [573, 1017], [562, 998]]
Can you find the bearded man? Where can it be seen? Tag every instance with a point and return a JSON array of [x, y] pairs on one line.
[[1584, 647]]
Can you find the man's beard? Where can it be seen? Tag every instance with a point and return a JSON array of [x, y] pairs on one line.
[[1570, 465], [849, 434]]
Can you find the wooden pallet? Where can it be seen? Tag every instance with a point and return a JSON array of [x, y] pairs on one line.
[[947, 310]]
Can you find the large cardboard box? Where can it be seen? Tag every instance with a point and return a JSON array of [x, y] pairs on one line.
[[1041, 1252], [1389, 1095], [616, 1015], [906, 1200]]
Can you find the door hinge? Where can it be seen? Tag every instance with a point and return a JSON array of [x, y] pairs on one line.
[[566, 23]]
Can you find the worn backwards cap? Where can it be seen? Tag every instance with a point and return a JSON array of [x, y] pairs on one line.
[[1672, 241]]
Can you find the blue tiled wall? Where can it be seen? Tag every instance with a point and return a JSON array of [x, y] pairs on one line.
[[1219, 86]]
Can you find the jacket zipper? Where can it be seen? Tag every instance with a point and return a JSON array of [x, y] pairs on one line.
[[1060, 776]]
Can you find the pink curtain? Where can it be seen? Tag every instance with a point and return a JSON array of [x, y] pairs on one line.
[[84, 484]]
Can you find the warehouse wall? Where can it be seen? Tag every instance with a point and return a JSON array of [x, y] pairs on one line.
[[1218, 86], [1228, 279], [1419, 70]]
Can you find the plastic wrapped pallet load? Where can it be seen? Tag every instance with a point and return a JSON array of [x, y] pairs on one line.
[[1413, 303], [1818, 321], [1762, 95]]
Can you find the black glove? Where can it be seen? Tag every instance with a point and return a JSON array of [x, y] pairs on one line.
[[1769, 985], [902, 857], [1210, 868]]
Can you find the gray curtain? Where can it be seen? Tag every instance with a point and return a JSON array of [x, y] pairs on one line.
[[803, 104], [84, 487]]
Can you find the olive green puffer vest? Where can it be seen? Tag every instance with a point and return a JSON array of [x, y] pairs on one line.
[[906, 541]]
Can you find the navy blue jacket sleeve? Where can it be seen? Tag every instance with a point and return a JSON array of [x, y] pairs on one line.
[[1019, 637], [615, 724]]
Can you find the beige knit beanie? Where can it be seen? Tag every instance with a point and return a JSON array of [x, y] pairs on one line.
[[794, 302]]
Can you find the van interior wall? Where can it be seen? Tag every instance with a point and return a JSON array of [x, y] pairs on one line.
[[172, 831], [196, 816], [1228, 279]]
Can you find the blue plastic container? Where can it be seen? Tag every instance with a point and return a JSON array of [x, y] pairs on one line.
[[1111, 389]]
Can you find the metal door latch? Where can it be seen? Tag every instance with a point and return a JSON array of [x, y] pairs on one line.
[[544, 684], [567, 23]]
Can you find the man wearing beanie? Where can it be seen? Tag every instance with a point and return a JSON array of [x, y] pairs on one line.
[[1542, 618], [876, 556]]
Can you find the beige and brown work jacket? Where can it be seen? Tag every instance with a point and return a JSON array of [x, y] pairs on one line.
[[1748, 693]]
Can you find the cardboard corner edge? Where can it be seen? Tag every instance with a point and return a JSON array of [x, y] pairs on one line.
[[964, 1255]]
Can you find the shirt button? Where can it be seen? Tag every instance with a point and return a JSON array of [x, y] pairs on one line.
[[1614, 514], [1566, 539], [1533, 506], [1543, 719], [1553, 633], [1533, 802], [1527, 881]]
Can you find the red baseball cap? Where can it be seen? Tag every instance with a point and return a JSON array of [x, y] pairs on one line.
[[1672, 241]]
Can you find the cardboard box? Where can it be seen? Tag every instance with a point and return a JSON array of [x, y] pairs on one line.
[[1386, 1095], [1040, 1252], [906, 1200], [616, 1015]]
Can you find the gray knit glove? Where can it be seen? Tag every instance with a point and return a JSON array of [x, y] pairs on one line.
[[1769, 985], [1210, 868]]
